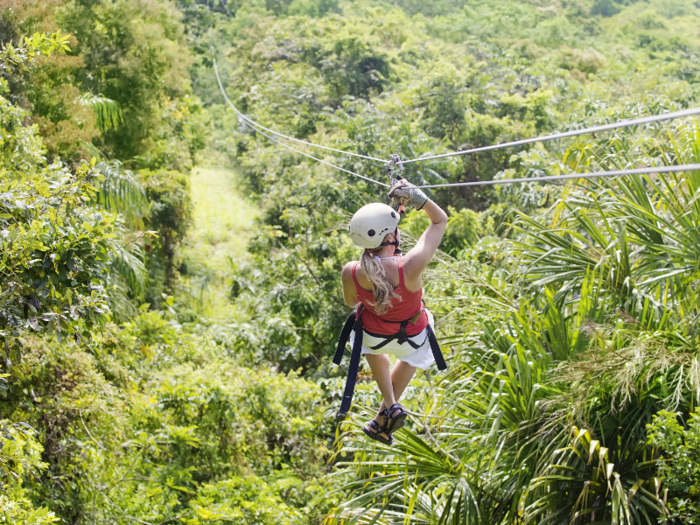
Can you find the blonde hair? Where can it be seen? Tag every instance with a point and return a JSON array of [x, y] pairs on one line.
[[382, 286]]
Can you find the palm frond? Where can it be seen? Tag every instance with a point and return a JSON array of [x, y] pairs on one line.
[[128, 263], [120, 192], [122, 307], [107, 111]]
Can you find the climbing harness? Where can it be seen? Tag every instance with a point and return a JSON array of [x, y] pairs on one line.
[[400, 337], [354, 323]]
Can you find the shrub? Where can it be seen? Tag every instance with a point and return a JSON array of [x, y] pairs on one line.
[[20, 455], [240, 501], [679, 464], [170, 213]]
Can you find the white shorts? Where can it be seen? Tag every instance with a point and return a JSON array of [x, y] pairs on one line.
[[421, 357]]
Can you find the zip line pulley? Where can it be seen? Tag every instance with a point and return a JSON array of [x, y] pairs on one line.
[[393, 166]]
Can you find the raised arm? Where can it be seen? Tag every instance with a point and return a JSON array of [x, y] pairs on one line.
[[418, 257]]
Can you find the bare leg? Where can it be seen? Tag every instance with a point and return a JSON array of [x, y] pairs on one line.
[[381, 371], [391, 383], [401, 376]]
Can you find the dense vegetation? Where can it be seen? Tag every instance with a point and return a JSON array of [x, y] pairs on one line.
[[167, 327]]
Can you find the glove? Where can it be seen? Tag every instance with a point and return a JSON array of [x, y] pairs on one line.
[[403, 192]]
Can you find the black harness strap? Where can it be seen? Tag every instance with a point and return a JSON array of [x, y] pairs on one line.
[[435, 347], [344, 336], [401, 335], [354, 364], [354, 321]]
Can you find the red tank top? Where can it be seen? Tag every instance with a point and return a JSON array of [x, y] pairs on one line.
[[409, 306]]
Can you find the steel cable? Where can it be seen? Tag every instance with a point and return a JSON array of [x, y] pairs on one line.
[[320, 160], [589, 175], [253, 123], [573, 133], [616, 125]]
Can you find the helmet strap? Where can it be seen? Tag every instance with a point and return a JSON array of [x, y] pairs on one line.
[[396, 242]]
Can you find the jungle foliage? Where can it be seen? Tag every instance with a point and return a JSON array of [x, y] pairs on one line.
[[153, 374]]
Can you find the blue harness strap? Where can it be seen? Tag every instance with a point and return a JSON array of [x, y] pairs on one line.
[[354, 322]]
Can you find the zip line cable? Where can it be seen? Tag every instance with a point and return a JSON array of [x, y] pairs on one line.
[[573, 133], [250, 121], [273, 139], [589, 175], [253, 123]]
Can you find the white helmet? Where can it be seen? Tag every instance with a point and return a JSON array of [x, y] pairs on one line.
[[371, 224]]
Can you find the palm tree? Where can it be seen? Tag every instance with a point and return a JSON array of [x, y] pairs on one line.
[[120, 193]]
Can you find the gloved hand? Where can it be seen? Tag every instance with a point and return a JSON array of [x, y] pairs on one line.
[[403, 192]]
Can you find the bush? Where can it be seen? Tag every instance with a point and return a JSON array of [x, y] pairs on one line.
[[605, 8], [20, 455], [20, 147], [679, 464], [463, 230], [241, 501], [170, 213]]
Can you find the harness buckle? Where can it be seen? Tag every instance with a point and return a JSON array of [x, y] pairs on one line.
[[401, 336]]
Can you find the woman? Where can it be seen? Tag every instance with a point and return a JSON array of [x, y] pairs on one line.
[[389, 288]]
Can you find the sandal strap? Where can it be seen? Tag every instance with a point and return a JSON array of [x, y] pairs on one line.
[[395, 422], [375, 426], [393, 409], [377, 436]]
